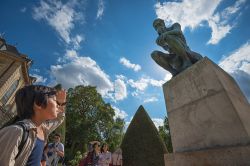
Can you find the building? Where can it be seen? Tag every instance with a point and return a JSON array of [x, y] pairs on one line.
[[13, 75]]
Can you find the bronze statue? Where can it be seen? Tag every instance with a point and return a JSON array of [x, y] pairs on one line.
[[179, 55]]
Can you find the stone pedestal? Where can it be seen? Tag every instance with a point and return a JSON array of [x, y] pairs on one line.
[[227, 156], [206, 109]]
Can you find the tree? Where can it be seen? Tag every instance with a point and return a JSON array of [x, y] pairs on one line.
[[164, 132], [89, 118], [142, 145], [115, 134]]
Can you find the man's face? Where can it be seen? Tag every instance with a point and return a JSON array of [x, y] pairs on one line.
[[51, 110], [57, 139]]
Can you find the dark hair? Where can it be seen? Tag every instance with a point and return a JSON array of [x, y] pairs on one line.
[[93, 146], [29, 95], [102, 148], [58, 135]]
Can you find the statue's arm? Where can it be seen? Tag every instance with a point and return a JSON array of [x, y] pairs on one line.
[[175, 29]]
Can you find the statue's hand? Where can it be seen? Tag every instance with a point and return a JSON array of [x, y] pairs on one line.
[[160, 41]]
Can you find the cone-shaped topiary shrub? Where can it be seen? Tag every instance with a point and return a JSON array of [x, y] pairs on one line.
[[142, 145]]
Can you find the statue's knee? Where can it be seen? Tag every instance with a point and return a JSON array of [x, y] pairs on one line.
[[155, 54]]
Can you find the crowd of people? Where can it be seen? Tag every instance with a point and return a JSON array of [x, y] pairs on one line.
[[24, 141], [100, 156]]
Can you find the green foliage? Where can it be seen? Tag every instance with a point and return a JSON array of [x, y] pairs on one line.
[[142, 145], [89, 118], [115, 134], [76, 160], [58, 87], [61, 130], [164, 132]]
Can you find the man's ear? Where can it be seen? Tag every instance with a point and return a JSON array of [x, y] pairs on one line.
[[37, 107]]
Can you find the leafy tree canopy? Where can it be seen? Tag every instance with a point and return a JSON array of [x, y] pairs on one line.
[[164, 132], [89, 118]]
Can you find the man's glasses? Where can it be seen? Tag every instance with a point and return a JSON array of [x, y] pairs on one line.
[[61, 104], [51, 93]]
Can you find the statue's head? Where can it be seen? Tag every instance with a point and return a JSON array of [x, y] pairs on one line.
[[159, 25]]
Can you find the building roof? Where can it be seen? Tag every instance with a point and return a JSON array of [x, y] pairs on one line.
[[14, 53]]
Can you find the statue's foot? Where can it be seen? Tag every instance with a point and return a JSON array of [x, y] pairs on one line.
[[175, 73], [186, 64]]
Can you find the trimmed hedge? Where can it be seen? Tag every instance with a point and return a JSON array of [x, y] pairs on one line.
[[142, 144]]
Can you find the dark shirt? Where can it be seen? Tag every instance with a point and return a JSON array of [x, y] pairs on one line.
[[95, 159], [36, 154]]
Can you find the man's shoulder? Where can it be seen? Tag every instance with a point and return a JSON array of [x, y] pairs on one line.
[[61, 144]]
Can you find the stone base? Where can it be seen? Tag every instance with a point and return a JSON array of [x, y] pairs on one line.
[[229, 156], [206, 109]]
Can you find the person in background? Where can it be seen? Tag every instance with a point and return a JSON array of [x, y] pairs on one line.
[[87, 156], [105, 156], [117, 158], [56, 151], [93, 156]]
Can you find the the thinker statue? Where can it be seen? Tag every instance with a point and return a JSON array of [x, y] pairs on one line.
[[179, 56]]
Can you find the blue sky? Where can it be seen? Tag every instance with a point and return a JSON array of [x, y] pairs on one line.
[[108, 44]]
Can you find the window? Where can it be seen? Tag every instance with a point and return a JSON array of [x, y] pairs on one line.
[[3, 47], [10, 91]]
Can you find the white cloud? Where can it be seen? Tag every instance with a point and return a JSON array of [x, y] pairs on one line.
[[144, 82], [158, 122], [119, 113], [150, 100], [120, 89], [77, 40], [71, 54], [130, 65], [82, 71], [238, 65], [192, 13], [39, 78], [219, 30], [61, 17], [232, 9], [189, 13], [167, 77], [121, 77], [141, 84], [100, 10], [76, 70]]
